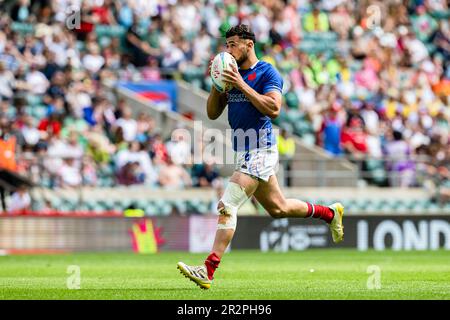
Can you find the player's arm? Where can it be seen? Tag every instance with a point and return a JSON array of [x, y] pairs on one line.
[[216, 103], [268, 104]]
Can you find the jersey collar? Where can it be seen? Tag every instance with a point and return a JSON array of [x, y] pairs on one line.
[[254, 65]]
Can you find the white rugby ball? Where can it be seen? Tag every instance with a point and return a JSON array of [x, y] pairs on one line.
[[220, 63]]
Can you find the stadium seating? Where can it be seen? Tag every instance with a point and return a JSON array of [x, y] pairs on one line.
[[162, 207], [316, 55]]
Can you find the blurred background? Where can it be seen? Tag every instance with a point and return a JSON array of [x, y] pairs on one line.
[[96, 98]]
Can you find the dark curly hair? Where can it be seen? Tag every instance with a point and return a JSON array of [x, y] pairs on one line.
[[243, 31]]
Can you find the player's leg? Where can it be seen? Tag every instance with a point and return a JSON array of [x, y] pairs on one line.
[[240, 187], [272, 199]]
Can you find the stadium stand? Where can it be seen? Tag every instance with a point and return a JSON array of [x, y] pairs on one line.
[[374, 92]]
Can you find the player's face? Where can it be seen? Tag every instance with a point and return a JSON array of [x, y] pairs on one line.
[[238, 48]]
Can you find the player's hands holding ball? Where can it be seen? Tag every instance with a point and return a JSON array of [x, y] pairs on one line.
[[224, 73], [233, 77]]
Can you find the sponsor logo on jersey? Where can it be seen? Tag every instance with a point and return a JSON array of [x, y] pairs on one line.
[[237, 97]]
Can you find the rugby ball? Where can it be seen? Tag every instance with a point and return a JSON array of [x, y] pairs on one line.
[[220, 63]]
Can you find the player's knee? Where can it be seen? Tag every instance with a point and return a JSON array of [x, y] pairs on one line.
[[224, 211], [278, 211], [223, 216], [233, 197], [227, 216]]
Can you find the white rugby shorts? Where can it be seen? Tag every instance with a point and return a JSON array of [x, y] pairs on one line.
[[259, 163]]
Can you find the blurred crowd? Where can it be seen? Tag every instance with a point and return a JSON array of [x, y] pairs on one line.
[[382, 91], [55, 116]]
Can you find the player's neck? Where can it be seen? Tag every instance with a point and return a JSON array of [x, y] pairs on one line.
[[250, 62]]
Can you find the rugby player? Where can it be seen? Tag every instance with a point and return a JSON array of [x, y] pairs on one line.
[[253, 101]]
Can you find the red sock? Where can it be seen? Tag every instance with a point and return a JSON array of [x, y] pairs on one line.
[[212, 263], [321, 212]]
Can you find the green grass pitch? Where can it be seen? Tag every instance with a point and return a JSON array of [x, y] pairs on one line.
[[312, 274]]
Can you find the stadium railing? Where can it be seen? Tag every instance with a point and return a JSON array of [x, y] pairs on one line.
[[380, 171], [375, 170], [423, 194]]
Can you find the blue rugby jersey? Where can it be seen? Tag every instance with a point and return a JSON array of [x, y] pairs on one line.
[[242, 115]]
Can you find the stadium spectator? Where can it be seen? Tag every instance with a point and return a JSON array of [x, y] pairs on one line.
[[436, 176], [36, 81], [178, 148], [69, 173], [29, 132], [286, 151], [51, 125], [136, 153], [443, 192], [354, 138], [130, 174], [73, 147], [151, 72], [423, 24], [145, 126], [201, 47], [158, 150], [89, 172], [20, 201], [316, 21], [99, 147], [341, 21], [127, 124], [370, 117], [102, 14], [442, 39], [399, 73], [140, 49], [402, 169], [367, 78], [58, 85], [48, 57], [56, 106], [207, 175], [416, 49], [93, 61], [172, 176], [331, 130], [8, 145], [21, 11], [7, 82], [10, 57]]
